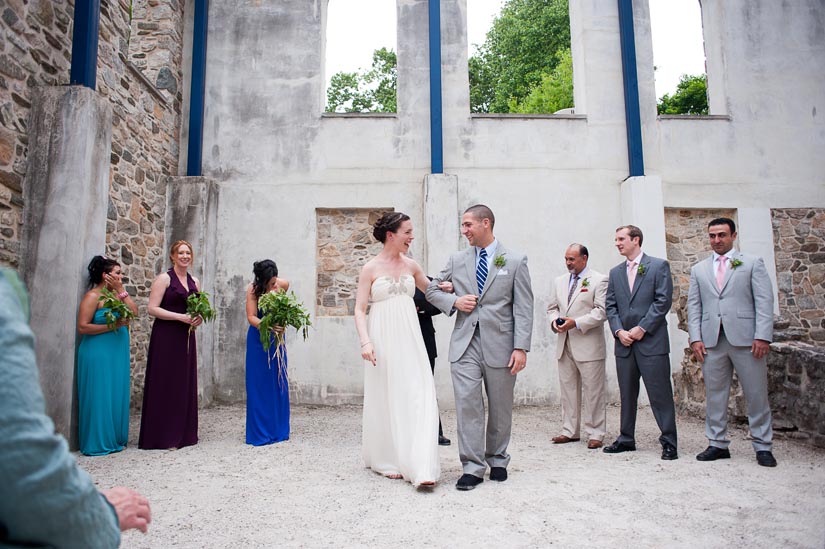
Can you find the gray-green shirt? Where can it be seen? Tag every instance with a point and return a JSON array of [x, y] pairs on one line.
[[45, 498]]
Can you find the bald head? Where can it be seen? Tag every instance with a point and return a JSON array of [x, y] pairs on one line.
[[575, 257]]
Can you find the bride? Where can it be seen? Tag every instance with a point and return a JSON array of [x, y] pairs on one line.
[[400, 431]]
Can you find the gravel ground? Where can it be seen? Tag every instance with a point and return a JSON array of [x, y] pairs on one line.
[[313, 491]]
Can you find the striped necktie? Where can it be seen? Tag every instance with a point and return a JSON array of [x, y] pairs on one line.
[[572, 288], [481, 271]]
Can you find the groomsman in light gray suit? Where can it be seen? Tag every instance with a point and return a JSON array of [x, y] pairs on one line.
[[493, 302], [730, 321], [639, 295]]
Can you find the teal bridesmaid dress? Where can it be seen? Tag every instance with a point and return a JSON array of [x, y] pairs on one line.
[[103, 390]]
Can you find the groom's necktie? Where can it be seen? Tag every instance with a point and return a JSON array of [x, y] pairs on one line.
[[481, 271], [572, 288]]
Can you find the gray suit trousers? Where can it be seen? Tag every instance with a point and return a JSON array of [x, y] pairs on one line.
[[655, 371], [720, 362], [468, 374]]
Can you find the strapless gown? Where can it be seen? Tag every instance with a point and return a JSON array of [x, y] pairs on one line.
[[400, 431]]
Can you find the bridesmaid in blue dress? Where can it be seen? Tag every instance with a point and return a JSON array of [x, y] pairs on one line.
[[267, 386], [103, 365]]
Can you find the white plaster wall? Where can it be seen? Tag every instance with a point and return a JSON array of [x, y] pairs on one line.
[[550, 181]]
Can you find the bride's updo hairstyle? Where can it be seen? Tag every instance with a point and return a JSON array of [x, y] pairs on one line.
[[263, 270], [388, 223]]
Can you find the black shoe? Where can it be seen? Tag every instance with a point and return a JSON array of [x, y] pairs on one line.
[[712, 453], [468, 482], [669, 452], [619, 447], [498, 474], [765, 458], [443, 441]]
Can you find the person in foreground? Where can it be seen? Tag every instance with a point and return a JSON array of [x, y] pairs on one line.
[[576, 311], [730, 322], [169, 418], [267, 385], [493, 301], [46, 500], [400, 428], [103, 364], [639, 295]]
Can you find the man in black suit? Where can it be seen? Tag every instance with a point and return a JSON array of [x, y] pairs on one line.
[[426, 312], [639, 295]]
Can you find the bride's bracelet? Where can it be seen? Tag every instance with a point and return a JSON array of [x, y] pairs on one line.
[[365, 344]]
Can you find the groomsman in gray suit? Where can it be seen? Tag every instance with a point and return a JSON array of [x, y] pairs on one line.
[[730, 321], [639, 295], [493, 303]]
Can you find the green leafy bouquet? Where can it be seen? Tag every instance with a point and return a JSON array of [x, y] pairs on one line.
[[281, 309], [118, 310], [197, 304]]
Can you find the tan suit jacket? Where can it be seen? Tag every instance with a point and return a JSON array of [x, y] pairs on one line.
[[586, 343]]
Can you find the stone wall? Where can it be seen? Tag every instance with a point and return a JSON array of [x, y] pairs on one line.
[[35, 50], [686, 234], [799, 237], [344, 244], [146, 98]]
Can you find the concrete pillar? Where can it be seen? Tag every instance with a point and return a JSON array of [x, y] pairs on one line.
[[643, 205], [191, 215], [755, 235], [441, 220], [66, 190]]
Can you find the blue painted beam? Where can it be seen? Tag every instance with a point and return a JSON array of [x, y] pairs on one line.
[[436, 130], [633, 120], [84, 43], [197, 93]]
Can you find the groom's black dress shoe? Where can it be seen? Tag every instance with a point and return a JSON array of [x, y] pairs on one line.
[[443, 441], [619, 447], [498, 474], [765, 458], [669, 452], [712, 453], [468, 482]]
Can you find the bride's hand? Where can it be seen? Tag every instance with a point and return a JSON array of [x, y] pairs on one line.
[[446, 286], [368, 352]]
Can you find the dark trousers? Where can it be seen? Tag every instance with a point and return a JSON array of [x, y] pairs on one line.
[[432, 367], [655, 371]]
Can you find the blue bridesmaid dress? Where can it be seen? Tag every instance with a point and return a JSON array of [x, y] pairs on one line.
[[103, 390], [267, 392]]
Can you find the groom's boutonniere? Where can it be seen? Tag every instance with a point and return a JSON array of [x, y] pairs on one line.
[[641, 270], [735, 263], [585, 284], [499, 261]]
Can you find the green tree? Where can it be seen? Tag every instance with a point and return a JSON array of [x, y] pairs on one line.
[[366, 91], [691, 96], [554, 92], [523, 46]]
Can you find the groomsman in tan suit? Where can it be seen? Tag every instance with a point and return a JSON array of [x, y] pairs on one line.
[[576, 315]]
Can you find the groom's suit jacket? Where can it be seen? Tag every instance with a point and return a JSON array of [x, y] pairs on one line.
[[586, 307], [646, 306], [504, 313], [744, 305]]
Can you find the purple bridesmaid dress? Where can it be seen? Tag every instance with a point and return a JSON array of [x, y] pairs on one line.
[[170, 395]]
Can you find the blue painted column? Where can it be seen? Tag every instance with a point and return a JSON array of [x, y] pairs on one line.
[[197, 93], [436, 137], [84, 43], [633, 119]]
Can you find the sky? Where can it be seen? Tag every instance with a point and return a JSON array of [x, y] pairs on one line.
[[352, 35]]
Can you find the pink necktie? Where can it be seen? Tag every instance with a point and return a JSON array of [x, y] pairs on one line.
[[720, 272], [631, 274]]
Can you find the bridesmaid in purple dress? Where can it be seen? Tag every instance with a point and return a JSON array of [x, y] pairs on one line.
[[170, 395]]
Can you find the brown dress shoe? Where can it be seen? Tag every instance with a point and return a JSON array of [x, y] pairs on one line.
[[563, 439], [592, 444]]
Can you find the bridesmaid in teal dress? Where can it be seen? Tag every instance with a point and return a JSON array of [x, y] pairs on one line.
[[103, 365]]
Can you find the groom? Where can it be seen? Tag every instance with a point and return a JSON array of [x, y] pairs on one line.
[[490, 340]]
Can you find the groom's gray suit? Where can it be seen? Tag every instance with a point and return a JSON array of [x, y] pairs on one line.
[[727, 321], [480, 349]]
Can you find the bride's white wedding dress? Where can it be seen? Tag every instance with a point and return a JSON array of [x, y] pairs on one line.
[[400, 432]]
